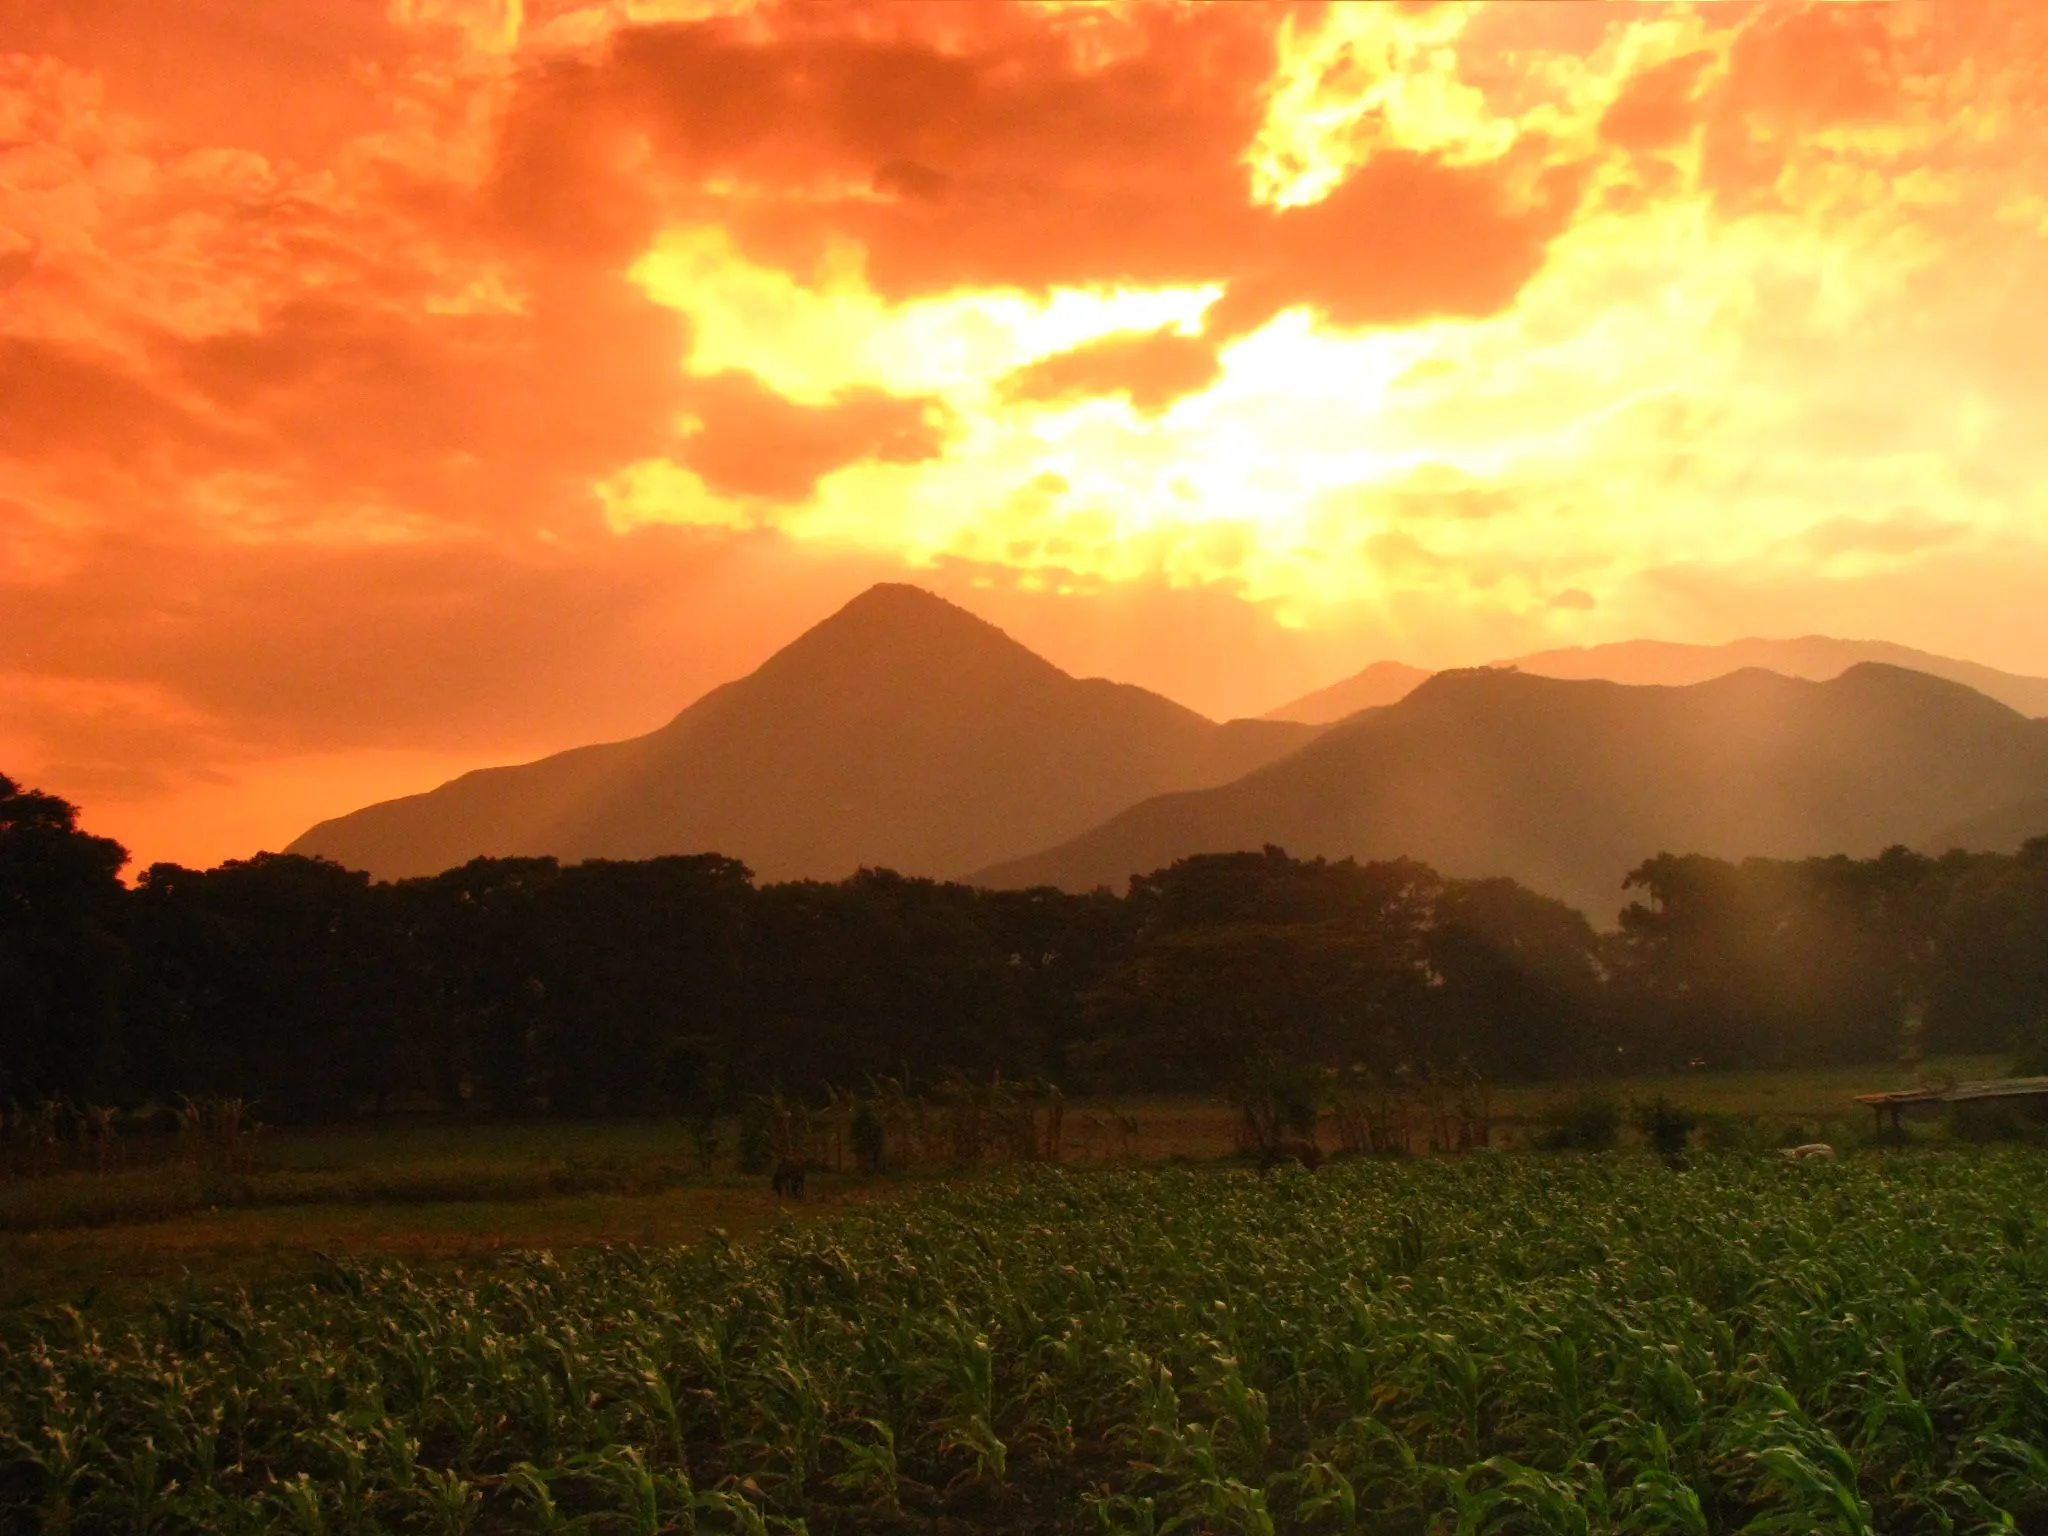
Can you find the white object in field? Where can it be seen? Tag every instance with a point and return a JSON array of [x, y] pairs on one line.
[[1811, 1149]]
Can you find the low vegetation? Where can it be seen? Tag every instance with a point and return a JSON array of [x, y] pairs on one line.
[[1587, 1344], [222, 1178]]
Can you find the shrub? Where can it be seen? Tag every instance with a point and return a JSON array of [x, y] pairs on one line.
[[1589, 1122], [1721, 1131], [1279, 1097], [1666, 1126]]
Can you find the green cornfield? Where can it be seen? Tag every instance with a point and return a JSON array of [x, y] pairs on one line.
[[1485, 1344]]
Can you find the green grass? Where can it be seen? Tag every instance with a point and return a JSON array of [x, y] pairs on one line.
[[1483, 1345]]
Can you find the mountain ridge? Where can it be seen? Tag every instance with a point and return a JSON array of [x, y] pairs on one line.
[[1566, 784], [903, 731], [1816, 658], [900, 730]]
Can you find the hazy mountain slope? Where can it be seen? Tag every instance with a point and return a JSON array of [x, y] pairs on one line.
[[1810, 656], [1566, 785], [901, 731], [1670, 663], [497, 811], [1384, 682], [1999, 831]]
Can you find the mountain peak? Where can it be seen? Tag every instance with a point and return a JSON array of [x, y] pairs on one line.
[[898, 610], [895, 630], [898, 600], [1889, 679]]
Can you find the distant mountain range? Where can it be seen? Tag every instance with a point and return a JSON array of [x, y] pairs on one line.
[[1382, 683], [1998, 831], [1669, 663], [901, 732], [1567, 784]]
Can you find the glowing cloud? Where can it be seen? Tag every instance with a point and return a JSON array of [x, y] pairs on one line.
[[416, 386]]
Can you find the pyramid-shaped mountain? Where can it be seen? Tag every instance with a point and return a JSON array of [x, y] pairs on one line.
[[902, 732], [1567, 785]]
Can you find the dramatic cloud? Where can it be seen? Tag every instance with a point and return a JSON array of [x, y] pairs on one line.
[[1154, 370], [1655, 107], [746, 439], [388, 389]]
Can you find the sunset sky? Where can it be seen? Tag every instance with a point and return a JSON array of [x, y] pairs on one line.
[[390, 390]]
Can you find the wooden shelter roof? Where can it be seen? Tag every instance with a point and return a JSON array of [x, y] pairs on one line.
[[1961, 1093]]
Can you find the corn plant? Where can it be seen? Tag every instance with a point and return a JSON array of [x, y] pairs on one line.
[[1508, 1345]]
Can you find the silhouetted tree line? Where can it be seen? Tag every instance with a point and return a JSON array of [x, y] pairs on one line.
[[666, 985]]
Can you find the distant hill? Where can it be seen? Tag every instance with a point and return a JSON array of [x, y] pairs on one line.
[[1818, 657], [1999, 831], [1566, 785], [902, 732], [1384, 682], [1811, 656]]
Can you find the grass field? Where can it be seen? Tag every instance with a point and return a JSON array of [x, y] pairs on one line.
[[1505, 1344], [454, 1193]]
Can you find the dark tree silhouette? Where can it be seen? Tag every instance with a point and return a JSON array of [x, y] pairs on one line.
[[678, 986], [61, 960]]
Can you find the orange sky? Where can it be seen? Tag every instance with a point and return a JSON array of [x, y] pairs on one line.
[[384, 393]]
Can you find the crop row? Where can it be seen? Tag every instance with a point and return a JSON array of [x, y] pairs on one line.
[[1485, 1345]]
